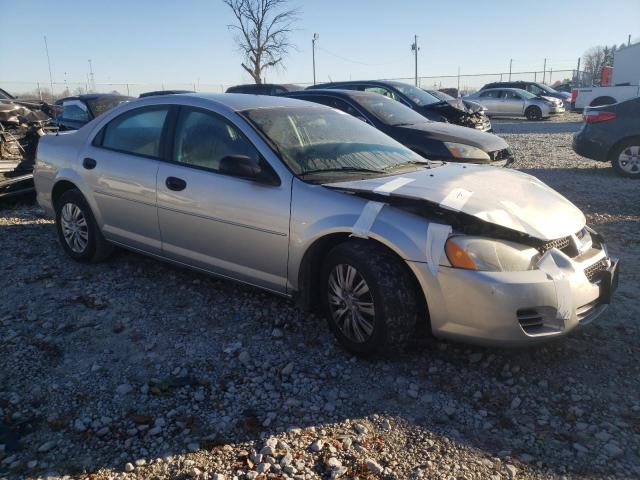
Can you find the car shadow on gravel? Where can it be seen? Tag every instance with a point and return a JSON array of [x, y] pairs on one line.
[[135, 359], [542, 127]]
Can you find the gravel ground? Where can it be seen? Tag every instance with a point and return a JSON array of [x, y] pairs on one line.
[[136, 369]]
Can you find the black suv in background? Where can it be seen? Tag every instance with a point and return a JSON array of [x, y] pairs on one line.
[[536, 88], [264, 88], [424, 103], [611, 133]]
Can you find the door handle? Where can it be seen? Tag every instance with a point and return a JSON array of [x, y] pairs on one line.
[[176, 184], [89, 163]]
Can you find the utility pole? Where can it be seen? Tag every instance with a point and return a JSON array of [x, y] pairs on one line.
[[510, 65], [415, 48], [544, 71], [92, 80], [458, 81], [46, 47], [578, 78], [629, 40], [313, 54]]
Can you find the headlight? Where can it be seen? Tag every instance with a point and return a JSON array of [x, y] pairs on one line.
[[489, 255], [460, 150]]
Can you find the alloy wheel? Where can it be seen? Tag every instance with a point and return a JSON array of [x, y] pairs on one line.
[[629, 159], [74, 227], [351, 303]]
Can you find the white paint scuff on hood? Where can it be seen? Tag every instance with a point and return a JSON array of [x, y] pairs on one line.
[[499, 196]]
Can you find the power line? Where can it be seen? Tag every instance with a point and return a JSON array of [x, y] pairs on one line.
[[354, 61]]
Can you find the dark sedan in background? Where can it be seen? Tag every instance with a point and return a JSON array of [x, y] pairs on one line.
[[611, 133], [81, 109], [433, 140], [425, 104]]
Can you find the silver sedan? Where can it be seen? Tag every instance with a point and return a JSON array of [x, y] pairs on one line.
[[313, 204], [515, 102]]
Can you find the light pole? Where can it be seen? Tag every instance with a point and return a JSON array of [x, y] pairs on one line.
[[313, 54], [414, 49], [510, 65]]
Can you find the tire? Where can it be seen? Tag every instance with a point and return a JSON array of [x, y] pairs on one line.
[[78, 231], [533, 113], [391, 293], [625, 158]]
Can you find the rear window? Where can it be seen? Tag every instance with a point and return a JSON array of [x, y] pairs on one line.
[[137, 132]]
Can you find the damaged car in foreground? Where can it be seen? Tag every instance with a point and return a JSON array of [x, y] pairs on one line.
[[307, 202], [22, 123]]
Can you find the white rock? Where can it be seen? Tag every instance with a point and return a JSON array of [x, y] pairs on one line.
[[317, 445], [511, 470], [361, 429], [333, 462], [288, 368], [373, 466], [128, 467], [45, 447], [123, 389]]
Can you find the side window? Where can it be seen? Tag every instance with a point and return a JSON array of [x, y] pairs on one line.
[[511, 95], [490, 94], [75, 112], [203, 139], [536, 90], [381, 91], [138, 132]]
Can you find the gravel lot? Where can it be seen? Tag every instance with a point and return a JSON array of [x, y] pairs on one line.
[[136, 369]]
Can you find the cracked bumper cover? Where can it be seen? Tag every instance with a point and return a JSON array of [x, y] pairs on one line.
[[482, 307]]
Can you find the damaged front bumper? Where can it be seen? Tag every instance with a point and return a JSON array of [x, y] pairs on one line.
[[515, 308]]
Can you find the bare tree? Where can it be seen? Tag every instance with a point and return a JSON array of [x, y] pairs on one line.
[[593, 61], [263, 28]]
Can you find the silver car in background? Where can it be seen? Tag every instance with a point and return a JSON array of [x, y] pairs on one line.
[[313, 204], [514, 102]]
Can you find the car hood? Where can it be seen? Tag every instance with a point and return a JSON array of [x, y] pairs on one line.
[[507, 198], [454, 133]]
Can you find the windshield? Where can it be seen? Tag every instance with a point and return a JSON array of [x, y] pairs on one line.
[[102, 104], [546, 88], [417, 95], [313, 140], [440, 95], [524, 93], [388, 111]]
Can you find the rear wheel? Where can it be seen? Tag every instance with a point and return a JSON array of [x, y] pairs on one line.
[[77, 229], [369, 298], [625, 158], [533, 113]]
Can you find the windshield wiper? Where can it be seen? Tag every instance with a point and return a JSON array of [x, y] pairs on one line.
[[342, 169], [426, 163]]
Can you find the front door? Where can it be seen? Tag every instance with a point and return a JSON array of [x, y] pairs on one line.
[[512, 103], [212, 220]]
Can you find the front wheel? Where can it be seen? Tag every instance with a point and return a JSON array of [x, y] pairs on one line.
[[533, 113], [625, 159], [77, 229], [369, 298]]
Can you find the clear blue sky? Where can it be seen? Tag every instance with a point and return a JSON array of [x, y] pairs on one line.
[[169, 42]]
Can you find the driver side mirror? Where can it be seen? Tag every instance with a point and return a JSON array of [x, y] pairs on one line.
[[249, 168]]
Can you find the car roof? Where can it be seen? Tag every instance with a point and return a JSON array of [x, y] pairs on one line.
[[338, 92], [241, 101], [93, 96], [164, 92], [268, 85], [392, 83]]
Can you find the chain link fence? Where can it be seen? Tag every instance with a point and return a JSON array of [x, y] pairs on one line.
[[465, 84]]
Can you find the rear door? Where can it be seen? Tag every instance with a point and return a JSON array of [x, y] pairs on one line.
[[490, 99], [120, 166], [212, 220]]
